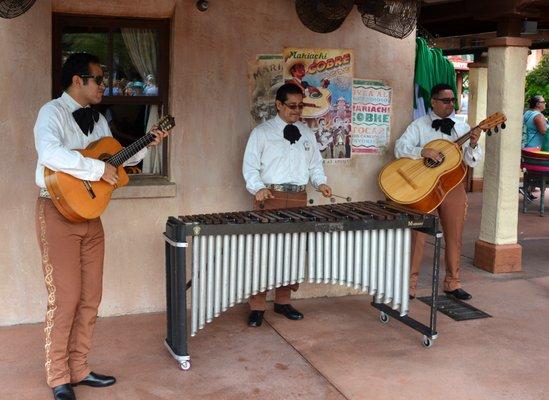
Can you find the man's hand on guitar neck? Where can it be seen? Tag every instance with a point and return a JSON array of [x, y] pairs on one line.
[[159, 135], [473, 138], [110, 175], [431, 154]]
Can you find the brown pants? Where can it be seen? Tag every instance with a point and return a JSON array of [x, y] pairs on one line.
[[452, 213], [72, 262], [281, 200]]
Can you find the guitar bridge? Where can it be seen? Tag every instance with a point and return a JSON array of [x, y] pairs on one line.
[[89, 189], [406, 178]]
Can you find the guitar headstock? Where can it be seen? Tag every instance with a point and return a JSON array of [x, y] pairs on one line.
[[493, 121], [166, 123]]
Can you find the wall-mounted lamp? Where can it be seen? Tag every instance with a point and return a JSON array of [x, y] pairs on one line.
[[202, 5]]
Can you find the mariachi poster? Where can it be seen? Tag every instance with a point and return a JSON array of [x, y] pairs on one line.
[[326, 77], [265, 77], [371, 117]]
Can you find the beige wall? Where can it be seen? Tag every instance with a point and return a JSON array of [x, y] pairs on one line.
[[209, 98], [478, 87], [25, 83]]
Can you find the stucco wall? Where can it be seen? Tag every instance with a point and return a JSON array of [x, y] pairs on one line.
[[209, 98], [25, 84]]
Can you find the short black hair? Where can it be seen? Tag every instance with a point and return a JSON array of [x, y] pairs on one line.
[[534, 100], [76, 64], [286, 89], [439, 88]]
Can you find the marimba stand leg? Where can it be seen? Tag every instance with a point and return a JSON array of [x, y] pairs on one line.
[[429, 332], [176, 304]]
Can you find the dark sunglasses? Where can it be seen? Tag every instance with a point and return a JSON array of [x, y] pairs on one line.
[[447, 101], [295, 106], [97, 78]]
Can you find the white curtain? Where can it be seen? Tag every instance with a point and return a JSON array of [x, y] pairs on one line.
[[141, 45], [142, 49], [420, 111]]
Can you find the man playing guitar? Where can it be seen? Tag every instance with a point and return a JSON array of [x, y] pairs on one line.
[[72, 253], [440, 123]]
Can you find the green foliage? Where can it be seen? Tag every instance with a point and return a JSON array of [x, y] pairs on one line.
[[94, 43], [97, 43], [537, 80]]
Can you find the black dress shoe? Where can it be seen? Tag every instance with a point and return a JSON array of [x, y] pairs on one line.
[[411, 297], [459, 294], [288, 311], [96, 380], [63, 392], [256, 318]]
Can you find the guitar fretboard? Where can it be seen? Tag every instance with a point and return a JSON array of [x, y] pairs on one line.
[[128, 152]]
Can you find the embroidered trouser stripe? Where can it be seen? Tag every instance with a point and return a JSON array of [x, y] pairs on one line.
[[72, 262]]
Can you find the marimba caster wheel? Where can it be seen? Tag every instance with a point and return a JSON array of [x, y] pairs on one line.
[[427, 341], [185, 365], [384, 318]]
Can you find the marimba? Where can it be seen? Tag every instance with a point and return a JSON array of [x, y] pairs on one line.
[[234, 255]]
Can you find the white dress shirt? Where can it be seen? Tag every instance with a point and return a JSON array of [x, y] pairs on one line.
[[271, 159], [420, 132], [57, 136]]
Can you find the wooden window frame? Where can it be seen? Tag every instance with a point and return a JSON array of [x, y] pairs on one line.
[[162, 26]]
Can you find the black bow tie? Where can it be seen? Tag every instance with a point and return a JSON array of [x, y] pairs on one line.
[[291, 133], [445, 125], [86, 119]]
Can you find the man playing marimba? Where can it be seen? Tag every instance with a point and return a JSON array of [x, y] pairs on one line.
[[280, 158]]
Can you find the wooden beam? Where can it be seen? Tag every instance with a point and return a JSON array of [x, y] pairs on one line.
[[443, 12], [460, 27], [510, 26]]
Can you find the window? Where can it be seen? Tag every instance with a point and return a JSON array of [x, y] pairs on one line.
[[135, 58]]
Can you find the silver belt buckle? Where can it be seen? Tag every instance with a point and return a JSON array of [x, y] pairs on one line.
[[44, 193]]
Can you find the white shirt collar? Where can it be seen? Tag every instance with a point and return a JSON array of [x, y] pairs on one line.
[[70, 102], [435, 116], [280, 122]]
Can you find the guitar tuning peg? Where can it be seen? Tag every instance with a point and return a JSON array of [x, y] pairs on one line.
[[503, 126], [489, 132], [496, 129]]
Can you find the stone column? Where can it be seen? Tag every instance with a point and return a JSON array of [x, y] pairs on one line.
[[478, 88], [497, 249]]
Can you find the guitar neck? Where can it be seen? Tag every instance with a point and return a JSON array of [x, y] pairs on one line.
[[462, 139], [128, 152]]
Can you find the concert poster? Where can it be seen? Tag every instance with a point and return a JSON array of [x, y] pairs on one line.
[[371, 117], [326, 77], [265, 77]]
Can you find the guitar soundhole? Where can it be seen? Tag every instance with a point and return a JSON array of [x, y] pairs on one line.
[[104, 157], [315, 95], [432, 163]]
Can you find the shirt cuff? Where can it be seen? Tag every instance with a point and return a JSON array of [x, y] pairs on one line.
[[475, 153], [317, 183], [98, 169], [256, 189]]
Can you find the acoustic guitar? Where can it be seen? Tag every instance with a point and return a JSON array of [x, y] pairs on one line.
[[79, 200], [423, 184], [317, 103]]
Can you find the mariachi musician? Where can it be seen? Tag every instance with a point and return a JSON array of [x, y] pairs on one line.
[[440, 123], [280, 158], [72, 253]]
